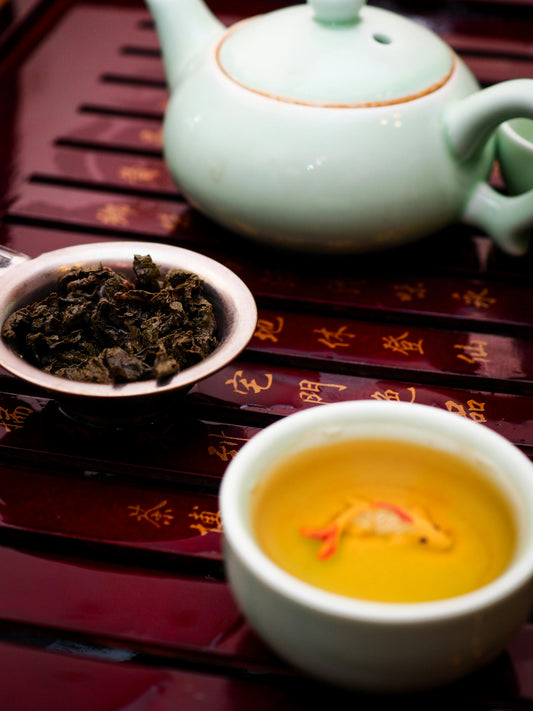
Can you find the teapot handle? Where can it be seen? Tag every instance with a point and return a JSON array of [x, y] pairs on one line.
[[469, 125]]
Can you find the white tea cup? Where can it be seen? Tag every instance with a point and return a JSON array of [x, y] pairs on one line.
[[362, 644], [515, 154]]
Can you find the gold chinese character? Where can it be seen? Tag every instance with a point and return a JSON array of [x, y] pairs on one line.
[[243, 386], [479, 299], [475, 409], [408, 292], [222, 451], [115, 214], [400, 344], [275, 276], [345, 285], [268, 330], [226, 448], [474, 352], [310, 391], [334, 339], [170, 222], [151, 136], [134, 174], [14, 419], [390, 394], [156, 515], [207, 521]]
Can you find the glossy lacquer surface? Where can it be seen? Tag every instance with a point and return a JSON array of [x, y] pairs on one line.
[[113, 593]]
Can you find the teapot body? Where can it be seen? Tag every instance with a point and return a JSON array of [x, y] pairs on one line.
[[330, 179]]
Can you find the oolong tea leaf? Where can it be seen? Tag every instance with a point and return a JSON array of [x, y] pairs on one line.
[[98, 326]]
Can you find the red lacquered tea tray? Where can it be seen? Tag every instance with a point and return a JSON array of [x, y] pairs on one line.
[[112, 592]]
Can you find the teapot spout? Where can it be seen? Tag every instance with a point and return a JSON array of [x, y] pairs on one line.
[[183, 28]]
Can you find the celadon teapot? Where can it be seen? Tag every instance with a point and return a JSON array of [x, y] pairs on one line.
[[333, 127]]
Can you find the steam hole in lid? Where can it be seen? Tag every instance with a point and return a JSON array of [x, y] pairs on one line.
[[381, 38]]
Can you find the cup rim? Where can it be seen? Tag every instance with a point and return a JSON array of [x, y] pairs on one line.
[[513, 135], [239, 538]]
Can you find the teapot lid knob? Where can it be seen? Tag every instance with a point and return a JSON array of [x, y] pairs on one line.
[[336, 11]]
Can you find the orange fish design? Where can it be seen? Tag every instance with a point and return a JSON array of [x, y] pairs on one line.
[[379, 518]]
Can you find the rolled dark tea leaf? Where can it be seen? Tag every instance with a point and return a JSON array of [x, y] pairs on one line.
[[98, 326]]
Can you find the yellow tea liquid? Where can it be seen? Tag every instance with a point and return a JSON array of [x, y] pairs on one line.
[[383, 520]]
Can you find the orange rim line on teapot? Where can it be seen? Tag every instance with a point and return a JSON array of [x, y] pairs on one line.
[[325, 104]]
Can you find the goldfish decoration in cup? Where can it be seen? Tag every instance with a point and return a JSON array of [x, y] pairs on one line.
[[379, 518]]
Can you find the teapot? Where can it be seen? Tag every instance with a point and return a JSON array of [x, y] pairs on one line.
[[333, 127]]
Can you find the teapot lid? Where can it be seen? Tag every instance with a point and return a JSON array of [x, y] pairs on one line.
[[335, 53]]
